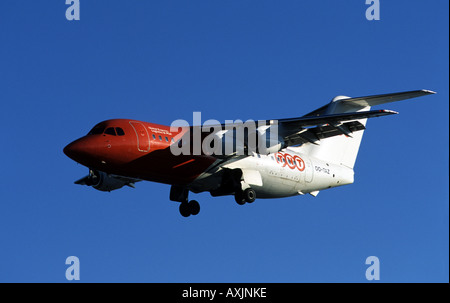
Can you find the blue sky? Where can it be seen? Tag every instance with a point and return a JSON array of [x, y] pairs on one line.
[[158, 61]]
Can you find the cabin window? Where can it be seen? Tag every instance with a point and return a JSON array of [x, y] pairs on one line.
[[173, 141], [167, 140], [110, 131], [120, 131], [153, 136], [160, 138]]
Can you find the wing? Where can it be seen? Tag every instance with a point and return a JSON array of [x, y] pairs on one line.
[[342, 116]]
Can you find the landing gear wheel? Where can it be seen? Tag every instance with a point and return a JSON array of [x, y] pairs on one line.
[[194, 207], [185, 209], [191, 208], [249, 195], [239, 197]]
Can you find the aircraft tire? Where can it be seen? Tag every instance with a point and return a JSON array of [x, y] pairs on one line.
[[194, 207], [185, 210], [249, 195], [239, 197]]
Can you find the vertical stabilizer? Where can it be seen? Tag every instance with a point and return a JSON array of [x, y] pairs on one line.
[[342, 149]]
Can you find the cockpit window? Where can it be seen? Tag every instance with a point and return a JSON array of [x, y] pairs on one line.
[[110, 131], [97, 130], [120, 131]]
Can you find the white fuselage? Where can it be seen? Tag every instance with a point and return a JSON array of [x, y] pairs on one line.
[[289, 173]]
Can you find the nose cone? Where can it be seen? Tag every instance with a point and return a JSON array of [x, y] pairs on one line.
[[84, 150], [74, 150]]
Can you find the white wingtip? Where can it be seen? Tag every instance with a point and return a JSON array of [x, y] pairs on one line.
[[428, 91]]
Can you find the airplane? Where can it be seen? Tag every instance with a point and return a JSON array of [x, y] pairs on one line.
[[309, 154]]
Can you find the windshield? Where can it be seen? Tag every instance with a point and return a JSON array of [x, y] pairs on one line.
[[97, 130]]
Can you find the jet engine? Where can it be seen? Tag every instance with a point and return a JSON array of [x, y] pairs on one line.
[[102, 181], [241, 141], [268, 140], [270, 146]]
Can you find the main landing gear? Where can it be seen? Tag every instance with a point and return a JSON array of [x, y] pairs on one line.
[[233, 182], [247, 195], [187, 208]]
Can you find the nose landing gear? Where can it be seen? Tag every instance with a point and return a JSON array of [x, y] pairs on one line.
[[180, 194]]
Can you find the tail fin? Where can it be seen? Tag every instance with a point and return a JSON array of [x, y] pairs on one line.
[[343, 149], [340, 149]]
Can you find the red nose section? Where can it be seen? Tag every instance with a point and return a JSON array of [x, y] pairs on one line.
[[75, 150], [84, 150]]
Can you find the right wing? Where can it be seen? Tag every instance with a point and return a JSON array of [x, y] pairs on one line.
[[339, 117]]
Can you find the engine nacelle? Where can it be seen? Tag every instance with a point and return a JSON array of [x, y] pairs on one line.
[[103, 182], [262, 140], [271, 147], [270, 142]]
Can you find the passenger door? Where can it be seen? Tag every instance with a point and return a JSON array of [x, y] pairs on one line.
[[143, 140]]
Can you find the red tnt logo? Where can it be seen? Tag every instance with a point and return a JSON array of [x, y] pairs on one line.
[[291, 161]]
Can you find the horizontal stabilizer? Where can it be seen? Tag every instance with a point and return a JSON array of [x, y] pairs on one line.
[[347, 104], [339, 140], [386, 98]]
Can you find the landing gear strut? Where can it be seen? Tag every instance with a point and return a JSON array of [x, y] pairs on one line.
[[247, 195], [180, 194], [189, 208]]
